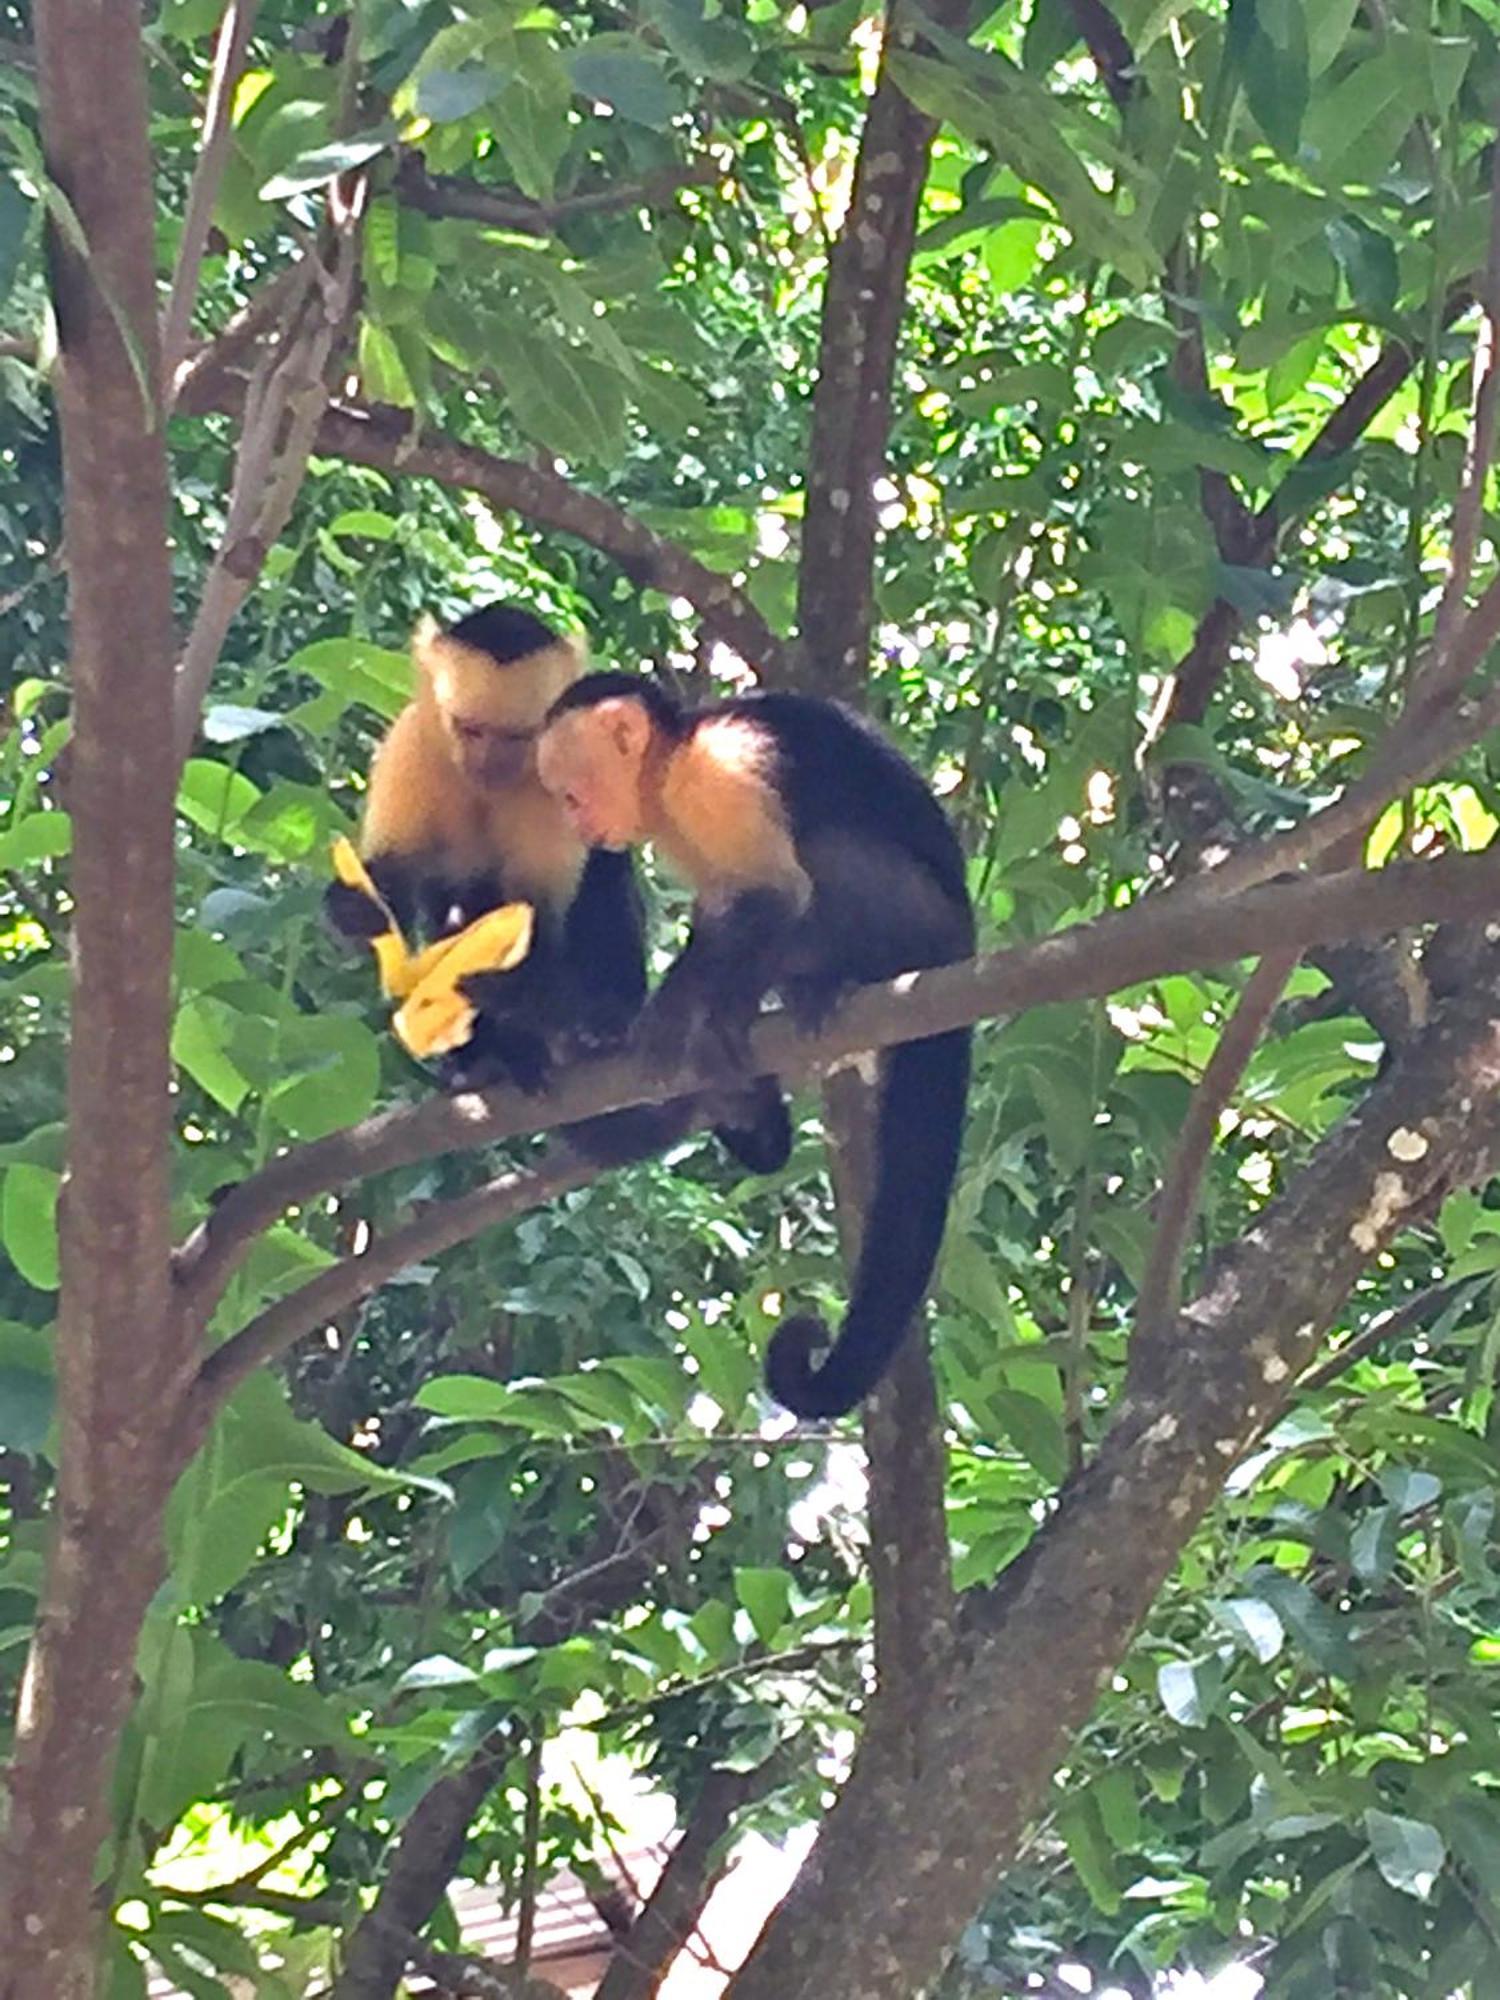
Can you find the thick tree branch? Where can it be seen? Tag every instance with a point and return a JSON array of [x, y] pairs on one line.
[[229, 63], [897, 1872], [1184, 930], [118, 1331], [369, 434], [464, 200], [863, 307], [424, 1861]]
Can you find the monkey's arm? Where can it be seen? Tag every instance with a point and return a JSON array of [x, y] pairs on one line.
[[604, 949], [703, 1009]]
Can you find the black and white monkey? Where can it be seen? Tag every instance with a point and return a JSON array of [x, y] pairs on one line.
[[819, 859], [457, 821]]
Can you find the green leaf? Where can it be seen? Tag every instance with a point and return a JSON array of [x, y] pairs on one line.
[[717, 48], [1408, 1852], [28, 1391], [28, 1223], [1254, 1624], [333, 1075], [1318, 1631], [1374, 1543], [215, 797], [619, 71], [322, 164], [565, 399], [446, 95], [1367, 259], [472, 1399], [357, 671], [1081, 1825], [767, 1595], [382, 371], [1035, 1431], [39, 836], [200, 1031], [1190, 1690]]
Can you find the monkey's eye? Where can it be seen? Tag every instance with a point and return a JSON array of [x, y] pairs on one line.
[[471, 732]]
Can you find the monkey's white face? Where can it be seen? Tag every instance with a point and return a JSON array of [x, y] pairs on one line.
[[590, 760]]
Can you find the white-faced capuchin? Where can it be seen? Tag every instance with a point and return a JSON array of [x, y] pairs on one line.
[[819, 859], [457, 822]]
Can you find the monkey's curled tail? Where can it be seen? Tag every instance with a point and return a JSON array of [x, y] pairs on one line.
[[919, 1125]]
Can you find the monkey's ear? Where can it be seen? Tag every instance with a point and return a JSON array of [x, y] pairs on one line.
[[577, 647], [427, 632], [627, 727]]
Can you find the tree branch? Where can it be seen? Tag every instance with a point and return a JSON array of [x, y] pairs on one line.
[[435, 1229], [897, 1872], [118, 1332], [1181, 1189], [1468, 510], [863, 306], [1198, 672], [229, 63], [284, 404], [644, 1955], [1186, 929], [424, 1860], [464, 200], [370, 434]]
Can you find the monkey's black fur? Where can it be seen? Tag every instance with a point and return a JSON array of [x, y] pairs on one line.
[[888, 896]]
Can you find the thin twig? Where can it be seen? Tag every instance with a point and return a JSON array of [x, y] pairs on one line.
[[1468, 510], [531, 1859], [230, 53], [461, 199], [1386, 1326], [284, 405], [1182, 1188], [438, 1228]]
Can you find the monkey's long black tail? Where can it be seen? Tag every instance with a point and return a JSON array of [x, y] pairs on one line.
[[924, 1086]]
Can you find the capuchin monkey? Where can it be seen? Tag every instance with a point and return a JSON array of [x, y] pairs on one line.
[[457, 822], [819, 860]]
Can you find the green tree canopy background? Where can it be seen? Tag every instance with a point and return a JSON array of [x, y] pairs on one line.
[[1104, 396]]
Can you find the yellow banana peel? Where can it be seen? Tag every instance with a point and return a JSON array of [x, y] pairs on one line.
[[435, 1017]]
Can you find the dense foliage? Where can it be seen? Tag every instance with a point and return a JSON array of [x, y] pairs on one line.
[[536, 1482]]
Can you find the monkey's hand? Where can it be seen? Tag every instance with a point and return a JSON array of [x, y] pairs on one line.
[[497, 1053], [351, 914], [673, 1035]]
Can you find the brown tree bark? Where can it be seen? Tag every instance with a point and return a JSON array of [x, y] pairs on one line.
[[864, 304], [117, 1332], [925, 1824]]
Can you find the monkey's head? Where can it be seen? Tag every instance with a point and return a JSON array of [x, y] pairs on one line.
[[492, 678], [597, 751]]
